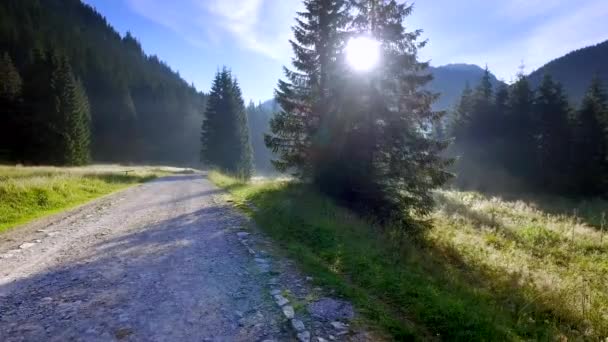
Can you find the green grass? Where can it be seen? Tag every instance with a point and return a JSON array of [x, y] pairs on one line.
[[487, 269], [28, 193]]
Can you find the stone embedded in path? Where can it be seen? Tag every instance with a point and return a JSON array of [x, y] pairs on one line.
[[329, 309], [281, 300], [242, 235], [297, 325], [275, 292], [27, 245], [288, 311], [261, 260], [339, 326], [304, 336]]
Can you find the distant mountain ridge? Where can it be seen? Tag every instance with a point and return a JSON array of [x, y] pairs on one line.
[[449, 80], [576, 69]]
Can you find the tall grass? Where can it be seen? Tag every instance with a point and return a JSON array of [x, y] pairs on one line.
[[27, 193], [487, 269]]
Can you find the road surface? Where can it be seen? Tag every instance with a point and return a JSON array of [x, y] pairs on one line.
[[157, 262]]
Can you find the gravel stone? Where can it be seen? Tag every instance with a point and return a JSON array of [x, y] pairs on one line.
[[304, 336], [281, 300], [297, 325], [329, 309], [288, 311]]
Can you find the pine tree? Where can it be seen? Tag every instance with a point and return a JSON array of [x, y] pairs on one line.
[[225, 133], [552, 135], [590, 157], [298, 128]]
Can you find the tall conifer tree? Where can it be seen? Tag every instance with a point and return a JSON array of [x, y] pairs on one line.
[[300, 129], [519, 130], [391, 161], [552, 136], [590, 157], [225, 134]]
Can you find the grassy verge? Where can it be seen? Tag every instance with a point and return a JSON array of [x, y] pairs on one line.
[[28, 193], [488, 269]]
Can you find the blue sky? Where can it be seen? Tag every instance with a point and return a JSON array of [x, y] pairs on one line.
[[195, 37]]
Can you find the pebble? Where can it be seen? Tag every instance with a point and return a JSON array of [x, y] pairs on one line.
[[321, 339], [27, 245], [339, 325], [297, 325], [242, 234], [275, 292], [261, 260], [288, 311], [281, 300], [304, 336]]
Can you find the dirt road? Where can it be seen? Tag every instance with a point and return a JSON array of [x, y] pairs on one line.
[[158, 262]]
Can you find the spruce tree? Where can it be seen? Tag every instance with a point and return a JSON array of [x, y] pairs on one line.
[[590, 157], [70, 119], [519, 130], [391, 163], [459, 127], [298, 130], [225, 133], [552, 135]]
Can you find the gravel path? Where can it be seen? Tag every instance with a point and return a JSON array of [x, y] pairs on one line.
[[158, 262]]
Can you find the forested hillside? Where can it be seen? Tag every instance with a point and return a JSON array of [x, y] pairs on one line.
[[576, 70], [140, 109]]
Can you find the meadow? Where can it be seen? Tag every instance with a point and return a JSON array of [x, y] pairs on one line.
[[484, 267], [28, 193]]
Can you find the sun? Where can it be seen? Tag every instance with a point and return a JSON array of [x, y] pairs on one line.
[[363, 53]]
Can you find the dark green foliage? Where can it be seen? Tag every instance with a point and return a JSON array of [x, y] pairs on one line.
[[141, 110], [343, 131], [553, 138], [304, 98], [53, 124], [590, 147], [225, 132], [10, 99]]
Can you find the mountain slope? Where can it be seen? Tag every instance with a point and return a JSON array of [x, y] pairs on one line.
[[576, 69], [141, 109], [449, 80]]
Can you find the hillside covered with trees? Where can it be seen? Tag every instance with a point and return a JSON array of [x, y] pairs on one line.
[[576, 70], [131, 106]]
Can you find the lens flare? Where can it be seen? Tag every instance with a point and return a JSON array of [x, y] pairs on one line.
[[363, 53]]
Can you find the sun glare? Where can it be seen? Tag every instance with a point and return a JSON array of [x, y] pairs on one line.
[[363, 53]]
